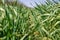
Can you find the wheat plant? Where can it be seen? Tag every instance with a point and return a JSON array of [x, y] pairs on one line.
[[18, 22]]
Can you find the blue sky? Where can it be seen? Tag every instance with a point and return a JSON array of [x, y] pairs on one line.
[[29, 3]]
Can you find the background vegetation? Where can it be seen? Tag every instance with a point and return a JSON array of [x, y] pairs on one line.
[[18, 22]]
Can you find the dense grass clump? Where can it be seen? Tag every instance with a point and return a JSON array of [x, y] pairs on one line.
[[17, 22]]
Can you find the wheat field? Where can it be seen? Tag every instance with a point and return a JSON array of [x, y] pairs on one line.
[[18, 22]]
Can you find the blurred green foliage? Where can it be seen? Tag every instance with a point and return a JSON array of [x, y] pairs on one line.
[[18, 22]]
